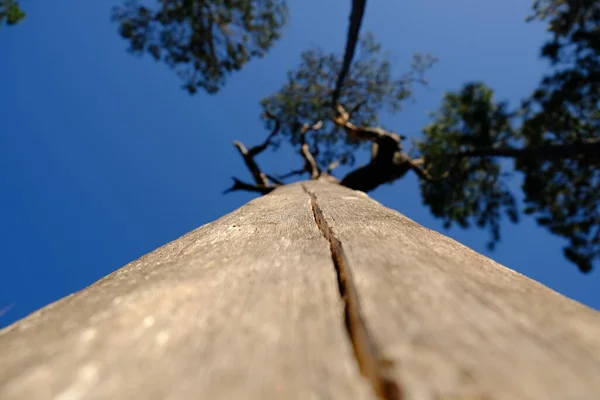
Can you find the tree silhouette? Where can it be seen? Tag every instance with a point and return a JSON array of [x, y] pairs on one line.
[[553, 139]]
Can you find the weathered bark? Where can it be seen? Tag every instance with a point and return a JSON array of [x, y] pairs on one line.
[[312, 291]]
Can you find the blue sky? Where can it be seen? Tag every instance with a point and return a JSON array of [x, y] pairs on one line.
[[103, 157]]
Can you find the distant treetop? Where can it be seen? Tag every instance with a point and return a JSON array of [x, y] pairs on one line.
[[202, 40], [10, 12]]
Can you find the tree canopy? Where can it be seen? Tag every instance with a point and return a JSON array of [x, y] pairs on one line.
[[369, 88], [330, 104], [10, 12], [329, 108], [552, 137], [202, 40]]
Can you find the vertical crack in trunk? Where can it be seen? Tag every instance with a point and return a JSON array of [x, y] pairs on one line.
[[372, 365]]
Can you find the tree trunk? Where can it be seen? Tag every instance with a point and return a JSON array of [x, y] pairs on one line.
[[314, 291]]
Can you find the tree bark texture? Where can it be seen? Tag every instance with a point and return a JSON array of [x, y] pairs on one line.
[[313, 291]]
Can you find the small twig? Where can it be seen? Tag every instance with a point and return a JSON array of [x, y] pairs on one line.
[[335, 164], [260, 148], [415, 165], [357, 107], [239, 185], [293, 173], [275, 180]]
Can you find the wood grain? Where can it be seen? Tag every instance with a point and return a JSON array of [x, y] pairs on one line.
[[449, 323], [314, 291], [246, 307]]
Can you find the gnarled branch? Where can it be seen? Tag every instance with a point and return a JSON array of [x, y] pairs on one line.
[[388, 161]]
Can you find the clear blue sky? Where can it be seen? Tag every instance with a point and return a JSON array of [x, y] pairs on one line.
[[103, 157]]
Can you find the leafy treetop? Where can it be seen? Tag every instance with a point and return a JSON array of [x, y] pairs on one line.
[[553, 138], [369, 88], [10, 12], [202, 40]]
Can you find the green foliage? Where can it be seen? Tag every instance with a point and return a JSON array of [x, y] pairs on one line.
[[476, 191], [368, 89], [10, 12], [562, 192], [205, 40], [202, 40]]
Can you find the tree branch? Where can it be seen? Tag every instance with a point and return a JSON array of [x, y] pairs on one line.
[[388, 161], [260, 148], [335, 164], [342, 119], [239, 185], [310, 164], [262, 184], [356, 17], [259, 177], [294, 172]]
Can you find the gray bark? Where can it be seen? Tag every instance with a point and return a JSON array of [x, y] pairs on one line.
[[312, 291]]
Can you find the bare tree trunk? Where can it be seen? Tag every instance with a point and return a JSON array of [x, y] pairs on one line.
[[314, 291]]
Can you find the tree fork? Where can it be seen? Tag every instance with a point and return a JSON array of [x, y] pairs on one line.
[[255, 305]]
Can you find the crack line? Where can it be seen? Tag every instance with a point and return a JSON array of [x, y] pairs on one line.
[[370, 362]]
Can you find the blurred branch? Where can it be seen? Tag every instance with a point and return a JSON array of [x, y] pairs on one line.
[[239, 185], [335, 164], [356, 17], [259, 149], [295, 172], [262, 184], [388, 161], [310, 165], [259, 177], [342, 119]]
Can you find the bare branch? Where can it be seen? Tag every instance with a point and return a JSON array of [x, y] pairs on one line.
[[248, 155], [262, 184], [335, 164], [239, 185], [259, 149], [293, 173], [357, 107], [310, 165], [315, 127], [415, 165], [276, 181], [259, 177]]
